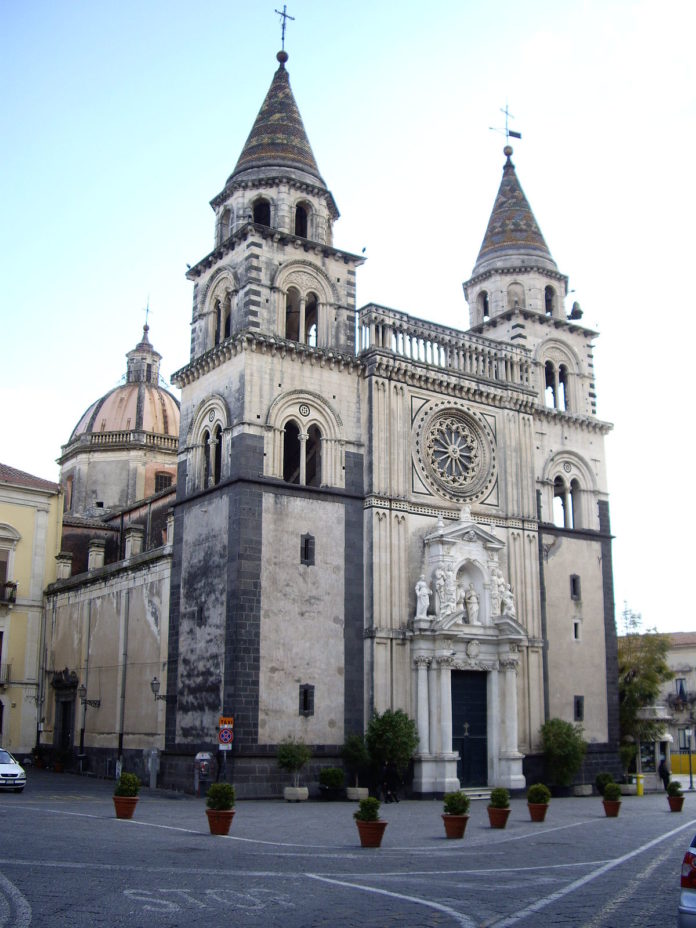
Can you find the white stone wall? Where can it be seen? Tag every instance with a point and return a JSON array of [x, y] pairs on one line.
[[302, 620]]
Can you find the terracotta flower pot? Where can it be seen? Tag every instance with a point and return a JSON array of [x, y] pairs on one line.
[[498, 817], [537, 810], [675, 803], [455, 825], [611, 807], [371, 832], [125, 806], [219, 820]]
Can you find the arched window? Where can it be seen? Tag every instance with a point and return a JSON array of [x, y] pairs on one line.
[[313, 464], [483, 304], [218, 311], [217, 454], [575, 505], [549, 301], [311, 319], [262, 212], [224, 225], [205, 441], [291, 453], [292, 314], [301, 220], [563, 388], [227, 329], [515, 296], [550, 385], [560, 513]]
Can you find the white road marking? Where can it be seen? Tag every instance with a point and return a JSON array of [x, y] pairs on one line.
[[463, 920], [22, 909]]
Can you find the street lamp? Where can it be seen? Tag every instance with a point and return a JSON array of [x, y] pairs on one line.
[[82, 693], [155, 687], [689, 733]]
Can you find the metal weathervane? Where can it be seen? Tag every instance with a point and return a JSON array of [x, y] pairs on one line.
[[285, 17], [509, 133]]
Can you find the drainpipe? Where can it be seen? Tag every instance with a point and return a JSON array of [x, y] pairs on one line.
[[124, 661]]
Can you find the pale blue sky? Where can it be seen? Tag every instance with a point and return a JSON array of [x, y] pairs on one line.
[[120, 121]]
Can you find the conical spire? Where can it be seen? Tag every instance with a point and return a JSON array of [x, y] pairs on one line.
[[278, 138], [513, 235]]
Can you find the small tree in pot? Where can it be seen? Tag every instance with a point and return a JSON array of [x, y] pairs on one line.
[[675, 797], [538, 797], [612, 800], [455, 817], [126, 795], [219, 802], [292, 756], [499, 807], [370, 826]]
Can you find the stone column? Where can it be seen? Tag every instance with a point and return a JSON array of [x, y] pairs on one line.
[[422, 717], [303, 458], [445, 663], [509, 667], [433, 704], [301, 324]]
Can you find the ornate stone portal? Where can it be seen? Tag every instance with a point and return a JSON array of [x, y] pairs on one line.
[[465, 620]]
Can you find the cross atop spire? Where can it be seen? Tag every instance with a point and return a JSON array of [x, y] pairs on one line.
[[284, 16], [509, 133]]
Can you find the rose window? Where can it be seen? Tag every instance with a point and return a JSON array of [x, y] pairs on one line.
[[452, 451]]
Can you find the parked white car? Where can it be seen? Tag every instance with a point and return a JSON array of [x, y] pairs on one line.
[[12, 775]]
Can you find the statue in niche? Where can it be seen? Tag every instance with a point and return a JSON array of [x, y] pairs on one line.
[[450, 590], [508, 603], [423, 592], [472, 605], [497, 589], [439, 590]]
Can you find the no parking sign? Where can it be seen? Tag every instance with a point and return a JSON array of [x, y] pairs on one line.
[[226, 733]]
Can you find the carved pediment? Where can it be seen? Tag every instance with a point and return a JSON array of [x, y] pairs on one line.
[[465, 531], [509, 628]]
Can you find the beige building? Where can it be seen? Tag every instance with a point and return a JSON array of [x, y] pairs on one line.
[[30, 533], [678, 697]]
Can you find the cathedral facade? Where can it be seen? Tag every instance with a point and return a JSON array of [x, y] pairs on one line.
[[374, 511]]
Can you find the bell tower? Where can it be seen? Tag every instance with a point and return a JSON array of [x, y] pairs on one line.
[[274, 269]]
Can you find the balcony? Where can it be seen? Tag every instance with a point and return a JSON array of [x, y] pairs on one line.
[[8, 593]]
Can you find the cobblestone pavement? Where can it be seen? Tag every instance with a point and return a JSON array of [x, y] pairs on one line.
[[65, 860]]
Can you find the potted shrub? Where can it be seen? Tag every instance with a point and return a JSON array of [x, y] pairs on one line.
[[370, 826], [219, 801], [564, 751], [612, 799], [538, 796], [357, 760], [499, 807], [126, 795], [292, 756], [675, 797], [331, 783], [601, 780], [455, 817]]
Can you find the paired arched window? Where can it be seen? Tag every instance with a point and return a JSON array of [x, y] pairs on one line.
[[222, 317], [302, 455], [556, 386], [211, 459], [566, 503], [301, 316]]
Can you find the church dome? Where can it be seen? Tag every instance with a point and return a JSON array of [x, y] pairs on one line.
[[138, 405], [124, 446]]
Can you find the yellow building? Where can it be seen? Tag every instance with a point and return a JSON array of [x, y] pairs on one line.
[[31, 515]]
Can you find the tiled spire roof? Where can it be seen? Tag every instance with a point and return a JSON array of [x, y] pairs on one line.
[[278, 138], [513, 235]]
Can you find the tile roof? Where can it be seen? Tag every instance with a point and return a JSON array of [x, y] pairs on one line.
[[278, 138], [512, 229], [20, 478]]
